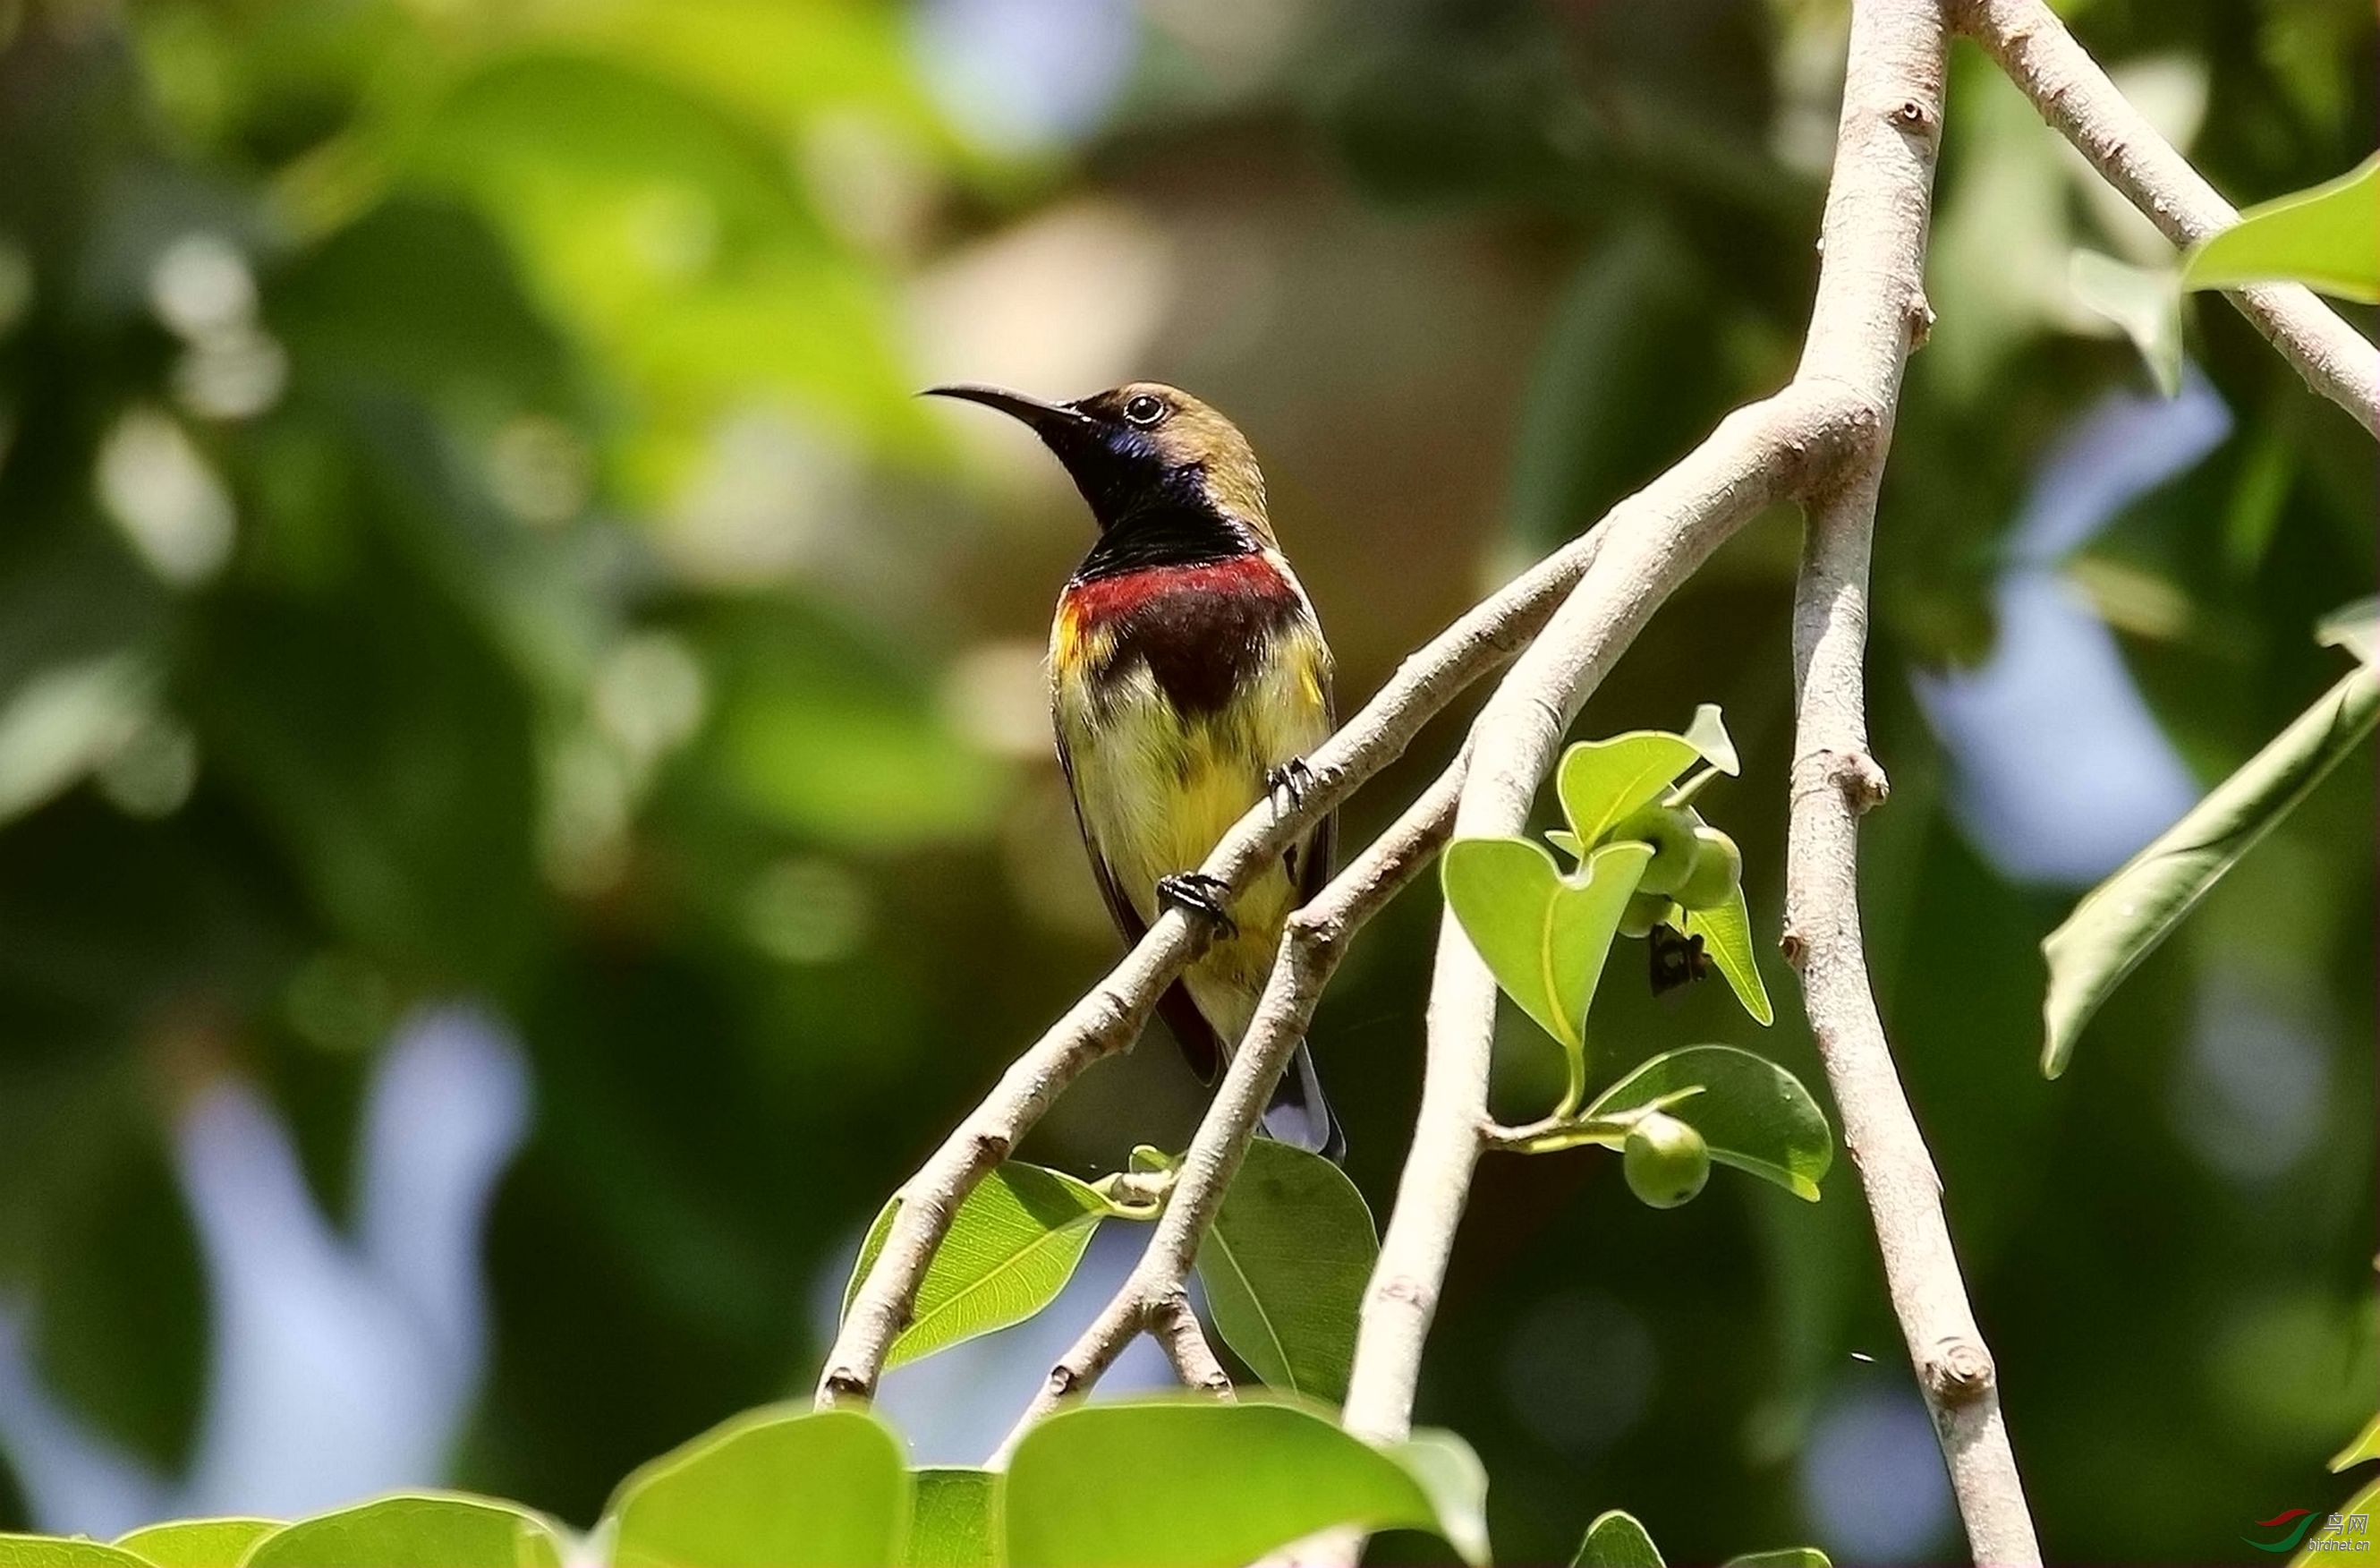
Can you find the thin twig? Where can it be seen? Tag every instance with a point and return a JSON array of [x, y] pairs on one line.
[[1312, 944], [2076, 97], [1111, 1015]]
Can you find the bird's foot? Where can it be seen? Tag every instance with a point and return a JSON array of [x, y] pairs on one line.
[[1200, 895], [1292, 779]]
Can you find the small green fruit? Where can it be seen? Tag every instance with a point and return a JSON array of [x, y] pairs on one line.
[[1644, 911], [1718, 872], [1672, 833], [1666, 1161]]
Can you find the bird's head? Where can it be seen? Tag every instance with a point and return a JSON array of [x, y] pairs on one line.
[[1142, 449]]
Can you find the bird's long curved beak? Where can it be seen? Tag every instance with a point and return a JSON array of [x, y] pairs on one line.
[[1048, 420]]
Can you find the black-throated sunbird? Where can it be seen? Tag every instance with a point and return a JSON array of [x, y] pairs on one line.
[[1188, 679]]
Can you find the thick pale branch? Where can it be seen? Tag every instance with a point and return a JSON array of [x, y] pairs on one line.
[[1653, 541], [1114, 1011], [1834, 782], [2076, 97], [1312, 945]]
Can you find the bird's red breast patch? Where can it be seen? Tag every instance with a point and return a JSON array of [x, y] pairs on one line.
[[1200, 629]]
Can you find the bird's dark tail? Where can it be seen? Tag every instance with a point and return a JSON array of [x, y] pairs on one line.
[[1299, 1113]]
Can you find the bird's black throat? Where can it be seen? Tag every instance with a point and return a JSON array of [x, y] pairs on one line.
[[1173, 523]]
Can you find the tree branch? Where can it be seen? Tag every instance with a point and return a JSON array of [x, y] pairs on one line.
[[1653, 541], [2075, 96], [1870, 308], [1312, 944], [1112, 1015]]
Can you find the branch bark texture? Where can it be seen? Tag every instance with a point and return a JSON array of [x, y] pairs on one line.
[[2077, 98]]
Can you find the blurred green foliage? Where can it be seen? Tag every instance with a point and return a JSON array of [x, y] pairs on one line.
[[464, 531]]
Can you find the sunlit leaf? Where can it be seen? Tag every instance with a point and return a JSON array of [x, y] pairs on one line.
[[1285, 1266], [198, 1543], [1198, 1484], [770, 1488], [955, 1520], [1545, 936], [51, 1552], [1011, 1249], [1753, 1113], [2326, 1545], [2327, 237], [2121, 921], [2366, 1447], [64, 721], [1602, 781], [1726, 931], [1617, 1540], [1457, 1483], [425, 1530], [1783, 1557], [2142, 300]]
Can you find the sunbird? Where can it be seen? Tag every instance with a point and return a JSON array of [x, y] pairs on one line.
[[1188, 681]]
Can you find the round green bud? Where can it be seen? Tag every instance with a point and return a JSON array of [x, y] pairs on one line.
[[1718, 872], [1666, 1161], [1672, 833], [1644, 911]]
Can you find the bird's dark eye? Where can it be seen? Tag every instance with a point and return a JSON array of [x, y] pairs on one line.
[[1144, 410]]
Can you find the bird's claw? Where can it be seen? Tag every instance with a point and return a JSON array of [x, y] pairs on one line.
[[1292, 778], [1200, 895]]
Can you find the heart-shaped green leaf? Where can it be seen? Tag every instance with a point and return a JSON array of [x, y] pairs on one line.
[[1543, 935], [770, 1488], [1602, 781], [1285, 1266], [2327, 237], [2121, 921], [1617, 1540], [1753, 1113], [198, 1543], [1176, 1483], [425, 1530], [1011, 1249], [1726, 931], [955, 1520]]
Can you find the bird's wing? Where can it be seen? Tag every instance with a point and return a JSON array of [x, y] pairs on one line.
[[1198, 1038]]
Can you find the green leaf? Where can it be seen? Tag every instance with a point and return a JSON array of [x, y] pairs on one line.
[[1783, 1557], [1602, 781], [1457, 1484], [2327, 238], [2365, 1448], [1544, 934], [64, 721], [1617, 1540], [1753, 1113], [2355, 628], [1726, 931], [418, 1530], [956, 1521], [1011, 1250], [51, 1551], [2145, 302], [1181, 1483], [768, 1489], [1285, 1266], [2122, 920], [2324, 1544], [198, 1543]]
